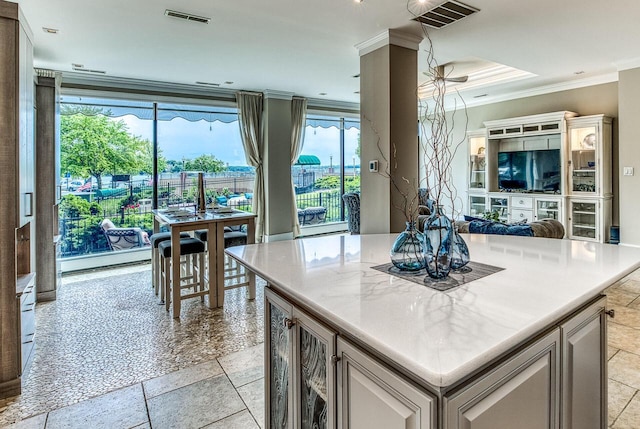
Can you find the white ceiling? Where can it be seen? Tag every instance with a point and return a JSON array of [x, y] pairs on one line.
[[308, 47]]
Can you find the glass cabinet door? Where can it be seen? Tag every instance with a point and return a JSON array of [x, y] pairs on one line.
[[547, 209], [477, 164], [315, 374], [584, 163], [477, 205], [583, 220], [279, 356], [501, 206]]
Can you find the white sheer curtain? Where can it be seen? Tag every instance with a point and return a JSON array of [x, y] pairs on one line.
[[250, 121], [298, 122]]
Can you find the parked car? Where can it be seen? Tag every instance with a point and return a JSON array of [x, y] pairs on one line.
[[87, 187], [74, 185]]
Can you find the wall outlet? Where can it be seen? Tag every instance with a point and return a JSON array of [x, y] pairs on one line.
[[627, 171], [373, 166]]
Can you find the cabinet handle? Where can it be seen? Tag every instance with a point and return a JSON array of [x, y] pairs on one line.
[[335, 359], [611, 313], [289, 323]]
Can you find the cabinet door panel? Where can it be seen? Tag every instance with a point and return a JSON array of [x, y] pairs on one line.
[[513, 404], [520, 393], [371, 396], [278, 356], [584, 369], [315, 373]]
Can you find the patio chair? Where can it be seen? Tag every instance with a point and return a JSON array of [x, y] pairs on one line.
[[123, 238], [352, 202]]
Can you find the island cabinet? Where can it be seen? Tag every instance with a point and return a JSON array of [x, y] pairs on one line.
[[318, 378]]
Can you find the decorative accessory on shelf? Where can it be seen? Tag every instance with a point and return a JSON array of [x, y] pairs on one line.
[[439, 236], [407, 252]]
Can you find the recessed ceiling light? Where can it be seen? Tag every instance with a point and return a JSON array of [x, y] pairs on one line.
[[356, 76], [228, 82], [356, 92], [358, 1], [50, 30], [76, 66], [207, 83], [322, 93], [480, 96], [579, 72]]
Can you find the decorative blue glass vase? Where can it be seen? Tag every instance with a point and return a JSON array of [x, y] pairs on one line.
[[407, 252], [439, 235], [460, 252]]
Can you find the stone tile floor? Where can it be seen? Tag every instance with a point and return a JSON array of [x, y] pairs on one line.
[[105, 342], [107, 356]]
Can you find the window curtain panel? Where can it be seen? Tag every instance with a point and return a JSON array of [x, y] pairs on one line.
[[298, 121], [250, 121]]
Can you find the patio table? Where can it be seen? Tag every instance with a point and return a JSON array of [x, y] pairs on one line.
[[214, 220]]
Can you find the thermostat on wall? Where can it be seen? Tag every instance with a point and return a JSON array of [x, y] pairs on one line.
[[373, 166]]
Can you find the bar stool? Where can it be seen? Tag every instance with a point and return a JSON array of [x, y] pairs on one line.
[[235, 275], [193, 249], [156, 239]]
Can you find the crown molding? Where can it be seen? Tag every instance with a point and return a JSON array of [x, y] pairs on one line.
[[542, 90], [389, 37], [632, 63]]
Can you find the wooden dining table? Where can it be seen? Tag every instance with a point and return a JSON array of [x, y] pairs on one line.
[[213, 220]]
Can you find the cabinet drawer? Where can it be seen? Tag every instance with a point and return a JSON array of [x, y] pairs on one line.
[[518, 215], [522, 202]]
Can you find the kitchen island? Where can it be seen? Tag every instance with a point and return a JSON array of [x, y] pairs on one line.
[[348, 345]]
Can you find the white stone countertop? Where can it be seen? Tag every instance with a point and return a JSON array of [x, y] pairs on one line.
[[440, 336]]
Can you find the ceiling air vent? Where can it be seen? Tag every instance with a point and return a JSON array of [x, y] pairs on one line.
[[445, 14], [187, 16]]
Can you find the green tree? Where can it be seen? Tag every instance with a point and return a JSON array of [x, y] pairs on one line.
[[205, 163], [91, 144]]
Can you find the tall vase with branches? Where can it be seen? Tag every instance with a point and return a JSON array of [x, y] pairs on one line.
[[445, 249]]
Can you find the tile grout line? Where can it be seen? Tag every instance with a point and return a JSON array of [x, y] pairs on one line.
[[146, 404], [239, 395], [623, 409]]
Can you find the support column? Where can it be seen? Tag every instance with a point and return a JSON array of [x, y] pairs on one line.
[[389, 128], [277, 166]]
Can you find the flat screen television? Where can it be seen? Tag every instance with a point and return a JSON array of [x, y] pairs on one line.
[[529, 170]]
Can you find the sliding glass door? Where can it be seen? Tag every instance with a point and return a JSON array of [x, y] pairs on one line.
[[329, 164]]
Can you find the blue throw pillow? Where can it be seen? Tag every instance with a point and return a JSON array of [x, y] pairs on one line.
[[496, 228], [471, 218]]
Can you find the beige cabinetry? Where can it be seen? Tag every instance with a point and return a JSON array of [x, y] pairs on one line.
[[17, 235], [47, 182], [372, 396], [26, 300]]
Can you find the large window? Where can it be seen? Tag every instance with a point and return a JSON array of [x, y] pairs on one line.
[[329, 164], [107, 162]]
